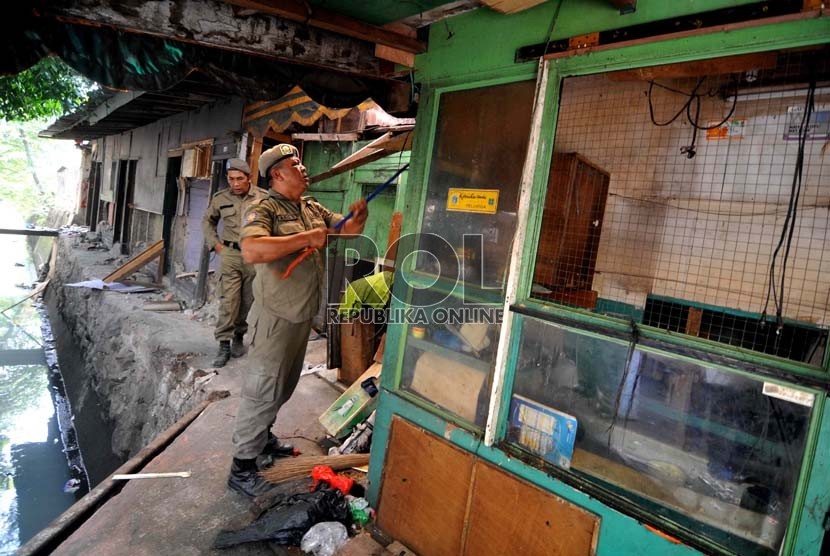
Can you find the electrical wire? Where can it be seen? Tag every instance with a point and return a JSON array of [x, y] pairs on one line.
[[788, 228], [694, 98]]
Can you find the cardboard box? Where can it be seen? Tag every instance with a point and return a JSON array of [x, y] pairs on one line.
[[352, 407]]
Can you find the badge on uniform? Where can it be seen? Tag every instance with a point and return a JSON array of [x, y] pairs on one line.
[[250, 217]]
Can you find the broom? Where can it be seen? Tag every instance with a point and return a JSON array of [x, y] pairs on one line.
[[302, 466]]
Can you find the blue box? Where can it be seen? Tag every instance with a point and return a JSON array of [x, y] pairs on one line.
[[544, 431]]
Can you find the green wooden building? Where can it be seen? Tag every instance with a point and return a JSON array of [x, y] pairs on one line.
[[611, 332]]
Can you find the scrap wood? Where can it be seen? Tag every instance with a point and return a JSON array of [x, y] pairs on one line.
[[302, 466], [154, 251]]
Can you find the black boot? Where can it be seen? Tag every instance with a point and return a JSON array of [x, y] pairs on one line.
[[244, 478], [273, 450], [223, 355], [237, 347]]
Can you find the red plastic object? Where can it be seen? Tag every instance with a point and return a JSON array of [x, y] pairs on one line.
[[326, 474]]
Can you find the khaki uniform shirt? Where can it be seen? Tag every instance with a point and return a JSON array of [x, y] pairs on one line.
[[230, 209], [296, 298]]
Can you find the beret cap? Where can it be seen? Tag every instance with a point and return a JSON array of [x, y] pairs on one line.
[[274, 155], [238, 164]]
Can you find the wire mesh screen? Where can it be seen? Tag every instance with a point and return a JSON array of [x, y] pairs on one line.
[[694, 198]]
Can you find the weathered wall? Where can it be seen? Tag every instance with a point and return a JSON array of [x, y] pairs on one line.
[[701, 229], [150, 144], [138, 367]]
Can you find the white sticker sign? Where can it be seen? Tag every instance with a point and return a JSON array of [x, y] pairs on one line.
[[789, 394]]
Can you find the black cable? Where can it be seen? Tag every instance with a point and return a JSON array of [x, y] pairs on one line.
[[552, 26], [679, 112], [792, 210], [694, 97], [797, 176]]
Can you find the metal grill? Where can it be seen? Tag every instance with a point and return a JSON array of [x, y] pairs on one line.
[[694, 198]]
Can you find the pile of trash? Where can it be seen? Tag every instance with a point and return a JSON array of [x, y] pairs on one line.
[[319, 521]]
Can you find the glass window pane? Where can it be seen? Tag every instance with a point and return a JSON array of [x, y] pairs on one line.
[[701, 445], [459, 261]]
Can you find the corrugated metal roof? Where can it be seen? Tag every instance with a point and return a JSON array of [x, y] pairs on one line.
[[113, 112]]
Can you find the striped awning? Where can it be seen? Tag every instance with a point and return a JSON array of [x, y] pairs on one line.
[[294, 107]]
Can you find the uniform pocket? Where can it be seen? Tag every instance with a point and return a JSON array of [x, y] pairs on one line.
[[260, 388], [227, 211], [290, 228]]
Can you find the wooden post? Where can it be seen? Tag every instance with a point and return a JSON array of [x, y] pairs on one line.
[[204, 260], [256, 150]]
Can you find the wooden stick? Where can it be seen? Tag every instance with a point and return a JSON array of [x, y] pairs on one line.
[[129, 476]]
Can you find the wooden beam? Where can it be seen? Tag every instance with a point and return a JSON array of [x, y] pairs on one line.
[[325, 136], [301, 12], [29, 232], [716, 66], [214, 24], [725, 28], [346, 167], [156, 250], [510, 6], [396, 55], [256, 151]]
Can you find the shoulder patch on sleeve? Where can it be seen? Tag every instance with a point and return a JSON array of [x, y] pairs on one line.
[[251, 216]]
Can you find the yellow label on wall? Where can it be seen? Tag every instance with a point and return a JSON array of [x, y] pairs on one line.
[[473, 200]]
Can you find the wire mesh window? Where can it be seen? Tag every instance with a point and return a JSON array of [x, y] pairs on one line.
[[694, 198]]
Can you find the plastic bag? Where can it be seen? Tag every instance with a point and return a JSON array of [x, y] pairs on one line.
[[289, 518], [324, 539]]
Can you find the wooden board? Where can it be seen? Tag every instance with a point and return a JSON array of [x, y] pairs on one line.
[[392, 241], [714, 66], [156, 250], [423, 498], [510, 516]]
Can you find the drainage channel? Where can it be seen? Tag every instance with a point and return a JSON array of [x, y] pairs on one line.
[[42, 469]]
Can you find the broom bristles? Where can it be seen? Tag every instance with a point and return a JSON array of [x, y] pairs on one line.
[[301, 466]]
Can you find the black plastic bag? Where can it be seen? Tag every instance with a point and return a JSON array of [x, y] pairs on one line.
[[288, 519]]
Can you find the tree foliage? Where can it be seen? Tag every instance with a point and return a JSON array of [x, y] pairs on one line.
[[48, 89]]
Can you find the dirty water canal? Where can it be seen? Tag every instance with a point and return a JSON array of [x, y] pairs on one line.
[[42, 470]]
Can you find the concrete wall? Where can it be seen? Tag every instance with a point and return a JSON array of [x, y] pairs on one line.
[[700, 229]]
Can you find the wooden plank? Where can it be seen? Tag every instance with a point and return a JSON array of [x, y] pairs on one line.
[[726, 28], [424, 490], [300, 12], [396, 55], [693, 319], [256, 151], [325, 136], [136, 263], [511, 6], [511, 516], [716, 66], [392, 240], [345, 168], [49, 232]]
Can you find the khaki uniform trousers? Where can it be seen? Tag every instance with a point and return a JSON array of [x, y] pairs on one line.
[[236, 295], [277, 355]]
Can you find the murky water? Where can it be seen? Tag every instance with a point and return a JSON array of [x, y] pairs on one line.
[[40, 461]]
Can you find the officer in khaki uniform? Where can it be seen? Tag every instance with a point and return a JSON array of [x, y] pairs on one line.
[[236, 277], [275, 231]]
